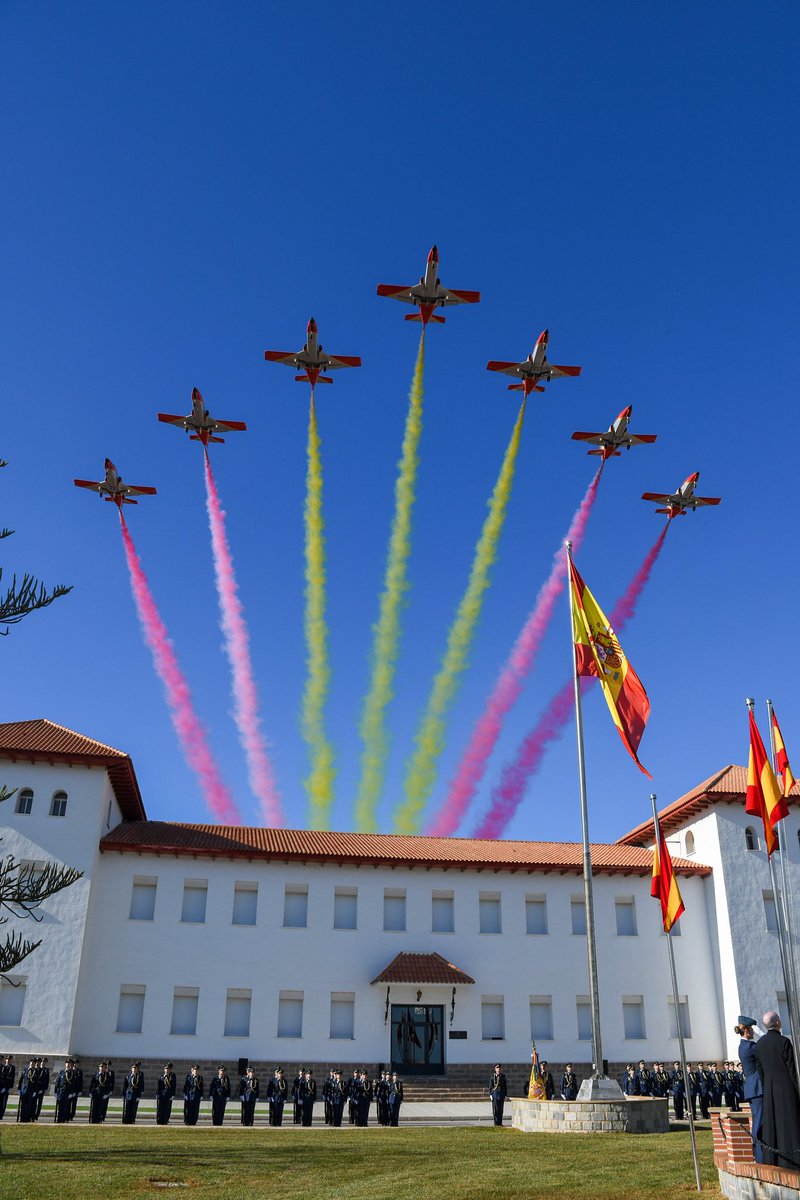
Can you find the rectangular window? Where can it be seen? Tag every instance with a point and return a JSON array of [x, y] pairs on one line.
[[24, 801], [195, 895], [535, 914], [578, 911], [442, 913], [770, 912], [184, 1010], [290, 1015], [583, 1009], [143, 898], [343, 1007], [686, 1025], [12, 999], [394, 910], [245, 903], [131, 1008], [345, 908], [489, 913], [542, 1018], [295, 907], [237, 1012], [493, 1021], [633, 1017], [625, 909]]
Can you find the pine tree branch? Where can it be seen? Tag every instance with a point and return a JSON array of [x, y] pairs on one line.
[[26, 597], [23, 888], [13, 951]]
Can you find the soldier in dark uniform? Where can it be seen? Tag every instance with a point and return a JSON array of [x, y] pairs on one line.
[[166, 1087], [27, 1097], [42, 1084], [353, 1088], [630, 1081], [219, 1090], [327, 1096], [569, 1084], [729, 1087], [276, 1094], [132, 1090], [364, 1099], [713, 1085], [192, 1095], [7, 1076], [547, 1080], [249, 1091], [308, 1096], [100, 1089], [395, 1099], [78, 1091], [297, 1107], [337, 1098], [645, 1079], [381, 1092], [498, 1090], [678, 1089], [65, 1091], [697, 1091]]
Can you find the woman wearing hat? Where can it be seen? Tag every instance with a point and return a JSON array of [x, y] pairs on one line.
[[753, 1086]]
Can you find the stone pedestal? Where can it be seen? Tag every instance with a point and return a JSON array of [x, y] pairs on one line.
[[600, 1087], [623, 1115]]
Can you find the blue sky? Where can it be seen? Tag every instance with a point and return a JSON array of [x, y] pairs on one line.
[[186, 184]]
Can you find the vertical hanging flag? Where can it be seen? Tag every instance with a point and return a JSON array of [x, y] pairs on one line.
[[763, 798], [781, 758], [665, 885], [598, 652]]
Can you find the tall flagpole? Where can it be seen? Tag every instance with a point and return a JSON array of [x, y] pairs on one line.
[[677, 1002], [786, 908]]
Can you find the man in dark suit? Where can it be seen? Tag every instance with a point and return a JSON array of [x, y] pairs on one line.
[[780, 1125], [7, 1074], [498, 1090]]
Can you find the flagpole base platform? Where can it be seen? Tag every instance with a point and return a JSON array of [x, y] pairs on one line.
[[623, 1115], [600, 1087]]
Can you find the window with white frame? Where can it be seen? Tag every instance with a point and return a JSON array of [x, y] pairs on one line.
[[578, 914], [394, 909], [770, 912], [536, 914], [24, 801], [443, 918], [493, 1022], [343, 1010], [583, 1010], [131, 1008], [245, 903], [751, 838], [345, 908], [237, 1012], [184, 1010], [295, 906], [625, 910], [12, 999], [489, 914], [686, 1025], [290, 1015], [541, 1018], [143, 898], [58, 805], [689, 842], [195, 896], [633, 1017]]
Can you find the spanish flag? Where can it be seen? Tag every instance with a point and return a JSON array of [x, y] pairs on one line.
[[665, 885], [782, 758], [763, 798], [597, 652]]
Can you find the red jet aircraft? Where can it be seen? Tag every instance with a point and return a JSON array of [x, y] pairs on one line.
[[677, 502], [428, 294], [617, 435], [199, 423], [533, 368], [311, 359], [113, 489]]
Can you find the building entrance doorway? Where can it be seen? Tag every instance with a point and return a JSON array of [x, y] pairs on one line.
[[417, 1039]]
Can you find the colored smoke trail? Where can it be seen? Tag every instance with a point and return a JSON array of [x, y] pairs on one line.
[[508, 794], [386, 633], [186, 724], [508, 686], [237, 648], [430, 739], [319, 784]]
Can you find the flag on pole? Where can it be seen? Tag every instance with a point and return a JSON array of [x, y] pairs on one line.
[[598, 652], [763, 798], [665, 885], [782, 758]]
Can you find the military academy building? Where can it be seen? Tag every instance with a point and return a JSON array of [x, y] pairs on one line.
[[439, 955]]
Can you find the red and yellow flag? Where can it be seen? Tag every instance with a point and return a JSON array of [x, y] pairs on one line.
[[763, 798], [598, 652], [782, 758], [665, 885]]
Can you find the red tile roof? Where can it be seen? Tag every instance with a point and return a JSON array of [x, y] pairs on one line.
[[729, 784], [44, 741], [422, 968], [378, 849]]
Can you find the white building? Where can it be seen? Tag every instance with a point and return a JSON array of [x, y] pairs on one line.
[[442, 955]]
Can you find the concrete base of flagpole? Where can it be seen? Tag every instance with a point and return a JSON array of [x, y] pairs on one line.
[[635, 1115], [600, 1087]]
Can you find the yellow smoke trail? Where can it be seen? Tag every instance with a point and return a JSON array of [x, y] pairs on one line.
[[319, 784], [386, 632], [421, 770]]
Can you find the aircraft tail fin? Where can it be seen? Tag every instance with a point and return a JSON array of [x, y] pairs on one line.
[[668, 513]]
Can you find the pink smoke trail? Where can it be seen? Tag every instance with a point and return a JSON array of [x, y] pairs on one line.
[[508, 686], [508, 794], [237, 648], [186, 724]]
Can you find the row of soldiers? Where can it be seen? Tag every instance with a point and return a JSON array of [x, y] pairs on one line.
[[358, 1093], [707, 1084]]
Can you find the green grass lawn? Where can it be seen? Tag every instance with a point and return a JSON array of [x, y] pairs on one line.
[[66, 1162]]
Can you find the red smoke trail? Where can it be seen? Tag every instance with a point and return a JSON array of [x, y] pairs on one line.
[[507, 795], [237, 648], [509, 684], [191, 734]]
